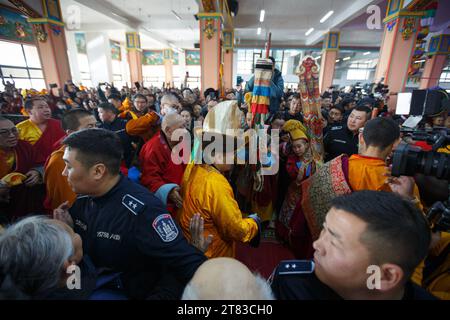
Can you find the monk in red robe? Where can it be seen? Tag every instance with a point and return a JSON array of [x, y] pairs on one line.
[[159, 172], [17, 156], [40, 130]]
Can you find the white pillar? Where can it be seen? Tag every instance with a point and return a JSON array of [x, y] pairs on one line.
[[73, 56], [125, 66], [99, 56]]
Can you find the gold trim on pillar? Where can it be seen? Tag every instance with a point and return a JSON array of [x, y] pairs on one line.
[[408, 28], [168, 54], [208, 6], [209, 30], [394, 6], [401, 14], [439, 45], [39, 32], [331, 41], [46, 20], [133, 41], [52, 10], [228, 39]]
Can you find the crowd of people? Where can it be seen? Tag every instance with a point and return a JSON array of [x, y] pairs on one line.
[[102, 180]]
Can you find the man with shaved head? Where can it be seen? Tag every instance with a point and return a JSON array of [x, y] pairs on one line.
[[226, 279], [58, 189], [159, 172]]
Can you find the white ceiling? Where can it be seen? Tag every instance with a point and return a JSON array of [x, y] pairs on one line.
[[287, 20], [156, 17]]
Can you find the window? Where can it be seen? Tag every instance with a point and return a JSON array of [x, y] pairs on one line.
[[154, 75], [195, 73], [117, 72], [286, 60], [22, 62], [354, 66], [445, 75], [357, 74], [85, 71], [246, 60]]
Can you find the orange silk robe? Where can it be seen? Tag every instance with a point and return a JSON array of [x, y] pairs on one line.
[[144, 127], [206, 191], [58, 189], [366, 173]]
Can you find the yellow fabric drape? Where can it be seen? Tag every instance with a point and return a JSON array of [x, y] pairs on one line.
[[207, 192], [28, 131], [58, 189]]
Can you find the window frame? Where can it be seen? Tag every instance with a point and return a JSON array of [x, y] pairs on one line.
[[27, 68]]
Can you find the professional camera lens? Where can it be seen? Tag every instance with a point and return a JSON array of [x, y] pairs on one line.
[[409, 160]]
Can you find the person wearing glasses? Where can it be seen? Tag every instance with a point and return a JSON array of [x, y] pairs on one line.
[[17, 156]]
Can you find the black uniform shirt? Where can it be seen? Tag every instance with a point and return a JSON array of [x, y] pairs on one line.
[[129, 230], [338, 140], [290, 282]]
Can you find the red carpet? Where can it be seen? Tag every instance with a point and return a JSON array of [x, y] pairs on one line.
[[266, 257]]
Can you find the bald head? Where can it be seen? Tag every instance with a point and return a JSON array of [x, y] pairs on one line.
[[226, 279], [171, 123], [171, 120]]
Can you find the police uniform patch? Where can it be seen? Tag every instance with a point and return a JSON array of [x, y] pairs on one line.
[[165, 227], [134, 205], [289, 267]]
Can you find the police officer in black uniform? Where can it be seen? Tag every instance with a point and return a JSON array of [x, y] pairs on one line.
[[296, 280], [343, 139], [358, 226], [125, 229]]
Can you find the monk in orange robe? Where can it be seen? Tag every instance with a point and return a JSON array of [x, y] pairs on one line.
[[40, 130], [58, 189], [366, 171], [146, 126], [138, 109]]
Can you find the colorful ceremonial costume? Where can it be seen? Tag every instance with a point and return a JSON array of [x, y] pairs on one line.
[[207, 192]]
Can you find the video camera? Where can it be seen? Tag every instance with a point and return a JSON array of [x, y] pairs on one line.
[[409, 160]]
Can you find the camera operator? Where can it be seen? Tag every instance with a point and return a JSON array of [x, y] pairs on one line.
[[431, 171]]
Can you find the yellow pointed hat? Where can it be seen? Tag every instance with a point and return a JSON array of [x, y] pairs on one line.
[[296, 130]]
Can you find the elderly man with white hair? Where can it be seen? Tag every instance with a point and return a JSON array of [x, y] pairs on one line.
[[160, 173], [34, 256], [147, 125], [226, 279]]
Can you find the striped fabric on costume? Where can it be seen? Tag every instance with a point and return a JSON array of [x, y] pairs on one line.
[[261, 92]]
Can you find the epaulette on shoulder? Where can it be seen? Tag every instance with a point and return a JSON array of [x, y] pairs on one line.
[[292, 267], [133, 204]]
